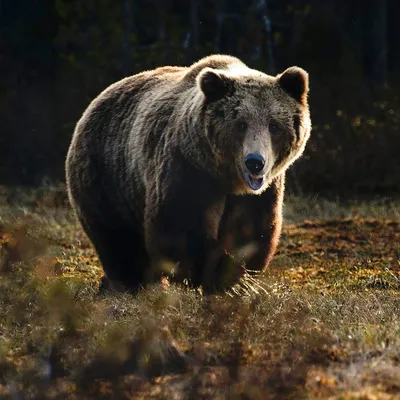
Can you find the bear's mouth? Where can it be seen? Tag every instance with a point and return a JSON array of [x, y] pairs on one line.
[[254, 182]]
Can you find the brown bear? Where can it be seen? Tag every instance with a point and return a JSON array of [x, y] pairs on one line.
[[185, 165]]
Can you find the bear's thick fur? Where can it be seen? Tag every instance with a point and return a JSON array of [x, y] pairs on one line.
[[186, 165]]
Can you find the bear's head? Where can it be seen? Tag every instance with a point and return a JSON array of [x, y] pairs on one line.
[[256, 124]]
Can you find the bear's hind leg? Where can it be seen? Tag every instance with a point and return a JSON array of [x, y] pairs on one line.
[[123, 256]]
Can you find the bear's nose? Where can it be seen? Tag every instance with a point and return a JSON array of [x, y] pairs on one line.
[[254, 163]]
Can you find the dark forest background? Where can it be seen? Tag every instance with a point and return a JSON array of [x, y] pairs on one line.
[[56, 55]]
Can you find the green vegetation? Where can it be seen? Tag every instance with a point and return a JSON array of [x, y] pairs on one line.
[[325, 322]]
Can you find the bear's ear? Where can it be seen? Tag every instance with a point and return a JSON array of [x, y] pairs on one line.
[[214, 84], [294, 81]]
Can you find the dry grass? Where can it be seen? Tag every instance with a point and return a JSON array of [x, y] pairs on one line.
[[324, 324]]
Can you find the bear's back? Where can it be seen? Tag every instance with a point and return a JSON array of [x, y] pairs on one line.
[[215, 61], [162, 79]]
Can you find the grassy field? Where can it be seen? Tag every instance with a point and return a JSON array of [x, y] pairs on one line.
[[323, 322]]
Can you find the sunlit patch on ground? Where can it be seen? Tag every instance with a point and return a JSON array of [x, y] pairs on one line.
[[355, 253]]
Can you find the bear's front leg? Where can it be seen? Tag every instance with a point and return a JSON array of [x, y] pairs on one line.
[[254, 222], [183, 230]]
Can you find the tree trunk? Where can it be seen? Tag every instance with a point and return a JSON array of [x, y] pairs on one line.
[[220, 8], [375, 41], [127, 27], [194, 21], [264, 10]]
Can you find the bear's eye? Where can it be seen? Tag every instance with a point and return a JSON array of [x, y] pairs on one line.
[[242, 126], [273, 127]]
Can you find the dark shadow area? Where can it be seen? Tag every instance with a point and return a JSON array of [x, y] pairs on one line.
[[56, 56]]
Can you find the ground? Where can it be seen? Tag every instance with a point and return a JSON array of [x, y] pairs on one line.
[[322, 322]]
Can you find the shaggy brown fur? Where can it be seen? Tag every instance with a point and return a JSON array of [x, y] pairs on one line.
[[156, 169]]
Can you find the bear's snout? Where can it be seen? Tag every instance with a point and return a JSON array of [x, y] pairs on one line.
[[254, 163]]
